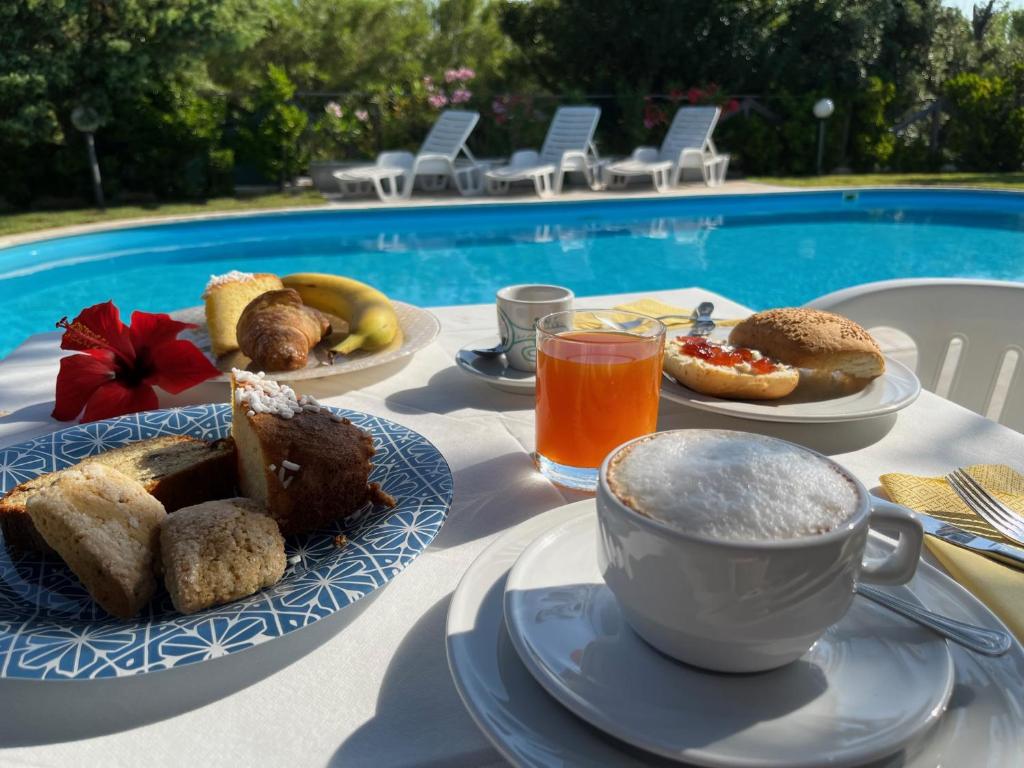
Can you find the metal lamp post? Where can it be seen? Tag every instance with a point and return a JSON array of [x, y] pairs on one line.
[[87, 120], [823, 109]]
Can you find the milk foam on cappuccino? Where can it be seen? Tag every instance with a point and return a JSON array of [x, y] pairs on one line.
[[732, 486]]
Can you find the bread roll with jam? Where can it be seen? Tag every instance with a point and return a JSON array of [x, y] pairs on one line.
[[725, 371], [821, 342]]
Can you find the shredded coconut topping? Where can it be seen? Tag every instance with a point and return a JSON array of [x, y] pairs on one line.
[[265, 396], [234, 276], [290, 465]]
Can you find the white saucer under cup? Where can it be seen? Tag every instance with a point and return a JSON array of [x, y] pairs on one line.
[[982, 728], [870, 685], [495, 370]]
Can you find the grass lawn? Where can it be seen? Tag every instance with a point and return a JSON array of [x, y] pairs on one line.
[[1014, 181], [16, 223]]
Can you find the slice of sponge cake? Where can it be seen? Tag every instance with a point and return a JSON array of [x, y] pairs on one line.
[[106, 527], [226, 297], [177, 469], [307, 466]]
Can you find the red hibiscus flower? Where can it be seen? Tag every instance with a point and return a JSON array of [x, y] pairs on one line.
[[120, 365]]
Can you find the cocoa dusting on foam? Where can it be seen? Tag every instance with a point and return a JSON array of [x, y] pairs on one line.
[[732, 487]]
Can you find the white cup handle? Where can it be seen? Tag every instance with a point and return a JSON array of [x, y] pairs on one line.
[[899, 566]]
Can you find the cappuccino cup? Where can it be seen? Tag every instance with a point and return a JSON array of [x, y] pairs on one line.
[[519, 309], [735, 552]]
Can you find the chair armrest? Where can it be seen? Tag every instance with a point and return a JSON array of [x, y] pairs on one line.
[[399, 159], [645, 154], [524, 157], [574, 154], [433, 156]]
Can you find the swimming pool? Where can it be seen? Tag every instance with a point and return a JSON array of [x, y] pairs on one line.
[[762, 250]]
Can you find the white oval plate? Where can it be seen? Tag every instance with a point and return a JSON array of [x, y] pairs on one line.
[[983, 726], [419, 328], [872, 683], [495, 370], [894, 390]]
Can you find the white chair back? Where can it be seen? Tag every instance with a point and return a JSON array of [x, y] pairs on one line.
[[449, 135], [986, 316], [571, 129], [691, 129]]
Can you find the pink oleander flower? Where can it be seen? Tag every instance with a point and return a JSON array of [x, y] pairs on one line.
[[465, 74], [333, 108], [437, 100], [461, 96], [451, 75], [498, 106], [362, 115]]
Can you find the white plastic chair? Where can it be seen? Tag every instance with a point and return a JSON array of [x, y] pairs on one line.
[[985, 316], [687, 144], [395, 173], [568, 146]]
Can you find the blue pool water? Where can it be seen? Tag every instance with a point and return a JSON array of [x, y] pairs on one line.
[[762, 250]]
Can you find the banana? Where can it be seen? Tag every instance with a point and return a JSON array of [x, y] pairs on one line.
[[371, 319]]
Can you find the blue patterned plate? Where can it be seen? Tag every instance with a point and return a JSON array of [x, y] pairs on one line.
[[51, 629]]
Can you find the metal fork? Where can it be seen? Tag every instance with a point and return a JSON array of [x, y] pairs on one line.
[[1001, 517]]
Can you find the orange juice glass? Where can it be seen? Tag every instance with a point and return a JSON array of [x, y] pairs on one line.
[[598, 382]]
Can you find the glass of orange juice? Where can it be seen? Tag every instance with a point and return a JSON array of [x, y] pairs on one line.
[[597, 387]]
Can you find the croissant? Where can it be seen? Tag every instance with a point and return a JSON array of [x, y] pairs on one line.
[[276, 330]]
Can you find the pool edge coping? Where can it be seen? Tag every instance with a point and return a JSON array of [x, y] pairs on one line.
[[749, 188]]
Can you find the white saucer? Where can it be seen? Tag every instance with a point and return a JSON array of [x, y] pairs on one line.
[[894, 390], [494, 370], [983, 726], [873, 682]]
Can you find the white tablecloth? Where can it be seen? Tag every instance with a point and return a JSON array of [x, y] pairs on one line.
[[370, 686]]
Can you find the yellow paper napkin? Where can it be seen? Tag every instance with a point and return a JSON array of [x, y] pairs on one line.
[[656, 308], [999, 586], [651, 308]]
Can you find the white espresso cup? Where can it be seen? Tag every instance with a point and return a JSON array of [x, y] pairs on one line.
[[743, 606], [519, 309]]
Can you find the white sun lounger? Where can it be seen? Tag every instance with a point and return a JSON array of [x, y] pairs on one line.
[[687, 144], [394, 174], [568, 146]]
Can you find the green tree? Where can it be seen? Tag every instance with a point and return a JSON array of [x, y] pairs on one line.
[[986, 130], [270, 137], [121, 57]]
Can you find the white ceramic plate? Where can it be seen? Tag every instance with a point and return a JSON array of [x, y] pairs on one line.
[[983, 726], [419, 328], [872, 683], [894, 390], [494, 370]]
